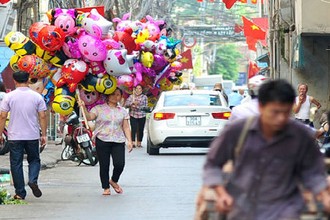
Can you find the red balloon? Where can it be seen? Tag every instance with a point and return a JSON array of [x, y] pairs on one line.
[[35, 29], [4, 1], [51, 38]]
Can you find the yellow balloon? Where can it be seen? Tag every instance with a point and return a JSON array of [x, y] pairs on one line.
[[64, 101], [19, 43], [57, 59], [142, 36], [165, 84], [13, 62], [178, 82], [147, 59], [106, 85]]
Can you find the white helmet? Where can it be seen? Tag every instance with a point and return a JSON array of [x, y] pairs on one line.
[[255, 83]]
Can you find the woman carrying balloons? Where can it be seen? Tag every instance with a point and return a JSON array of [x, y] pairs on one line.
[[111, 132], [137, 103]]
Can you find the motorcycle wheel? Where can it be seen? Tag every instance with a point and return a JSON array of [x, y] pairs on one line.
[[91, 159], [4, 148], [67, 152]]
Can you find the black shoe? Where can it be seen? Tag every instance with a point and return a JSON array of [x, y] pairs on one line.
[[35, 189]]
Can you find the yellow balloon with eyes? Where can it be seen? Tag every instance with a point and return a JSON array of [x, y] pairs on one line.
[[147, 59], [14, 62], [142, 36], [64, 101], [19, 43]]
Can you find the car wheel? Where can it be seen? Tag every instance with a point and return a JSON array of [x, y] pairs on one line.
[[152, 149]]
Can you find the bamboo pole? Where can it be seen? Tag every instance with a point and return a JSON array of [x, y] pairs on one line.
[[81, 109]]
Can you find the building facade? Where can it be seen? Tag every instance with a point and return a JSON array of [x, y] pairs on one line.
[[299, 43]]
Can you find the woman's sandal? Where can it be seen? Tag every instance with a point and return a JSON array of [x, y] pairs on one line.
[[17, 197], [116, 187], [106, 192]]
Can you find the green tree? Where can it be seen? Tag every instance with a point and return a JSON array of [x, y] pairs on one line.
[[226, 62]]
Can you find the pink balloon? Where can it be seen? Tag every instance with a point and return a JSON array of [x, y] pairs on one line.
[[125, 82], [96, 25], [89, 97], [92, 48], [66, 20], [71, 48]]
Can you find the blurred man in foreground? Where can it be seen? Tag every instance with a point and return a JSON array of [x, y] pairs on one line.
[[277, 155]]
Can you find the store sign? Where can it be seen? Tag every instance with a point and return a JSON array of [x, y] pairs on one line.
[[224, 31]]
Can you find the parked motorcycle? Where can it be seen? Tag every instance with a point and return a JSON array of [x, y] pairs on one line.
[[78, 145]]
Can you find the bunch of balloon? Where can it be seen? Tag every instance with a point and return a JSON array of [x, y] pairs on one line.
[[83, 50]]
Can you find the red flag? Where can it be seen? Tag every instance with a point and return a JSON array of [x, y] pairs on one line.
[[229, 3], [253, 69], [4, 1], [186, 60], [238, 28], [251, 42], [199, 0], [253, 30]]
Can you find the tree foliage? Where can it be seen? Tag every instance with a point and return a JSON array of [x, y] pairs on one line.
[[226, 62]]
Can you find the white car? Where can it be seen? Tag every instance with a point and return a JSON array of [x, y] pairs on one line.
[[186, 118]]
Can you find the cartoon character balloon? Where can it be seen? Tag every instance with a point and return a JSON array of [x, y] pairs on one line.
[[35, 66], [73, 71], [35, 29], [147, 59], [91, 98], [56, 58], [92, 48], [65, 19], [64, 101], [14, 62], [105, 85], [71, 48], [153, 27], [96, 25], [125, 39], [19, 43], [116, 63], [51, 38], [125, 82]]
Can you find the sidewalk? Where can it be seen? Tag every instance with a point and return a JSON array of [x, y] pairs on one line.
[[49, 157]]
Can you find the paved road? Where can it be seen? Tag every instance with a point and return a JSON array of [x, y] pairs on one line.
[[155, 187]]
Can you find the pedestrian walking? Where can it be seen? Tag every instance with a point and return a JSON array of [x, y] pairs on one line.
[[27, 111], [137, 104], [251, 107], [111, 132], [303, 103], [276, 156]]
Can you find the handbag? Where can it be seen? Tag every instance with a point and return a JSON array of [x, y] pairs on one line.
[[206, 209]]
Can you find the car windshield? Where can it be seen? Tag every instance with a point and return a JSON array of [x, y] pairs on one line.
[[192, 100]]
